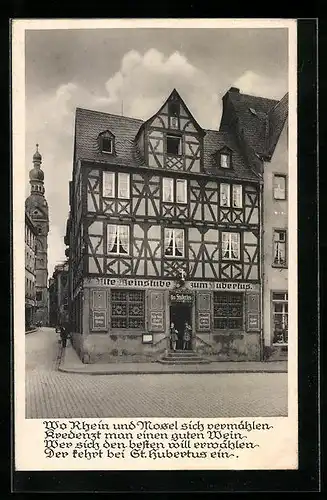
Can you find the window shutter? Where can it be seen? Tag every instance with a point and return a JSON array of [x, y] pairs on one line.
[[156, 311], [253, 312], [99, 312], [203, 311]]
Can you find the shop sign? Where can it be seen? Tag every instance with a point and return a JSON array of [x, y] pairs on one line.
[[165, 284], [253, 321], [181, 297], [99, 320]]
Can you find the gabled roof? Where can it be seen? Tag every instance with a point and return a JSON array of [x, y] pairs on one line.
[[89, 124], [259, 120], [175, 95], [277, 117]]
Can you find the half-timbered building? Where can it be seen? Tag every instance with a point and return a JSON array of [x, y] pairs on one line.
[[164, 226]]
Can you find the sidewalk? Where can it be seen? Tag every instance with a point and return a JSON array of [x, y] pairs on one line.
[[72, 364]]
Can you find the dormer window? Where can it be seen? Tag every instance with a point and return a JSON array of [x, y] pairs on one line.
[[107, 145], [106, 142], [224, 160]]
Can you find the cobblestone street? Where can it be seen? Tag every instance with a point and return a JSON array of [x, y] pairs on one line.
[[53, 394]]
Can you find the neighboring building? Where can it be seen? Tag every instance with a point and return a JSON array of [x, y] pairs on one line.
[[36, 207], [58, 295], [263, 125], [164, 225], [30, 301]]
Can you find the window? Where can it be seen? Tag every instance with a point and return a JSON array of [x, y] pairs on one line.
[[168, 189], [225, 195], [38, 296], [107, 145], [118, 239], [225, 160], [279, 187], [174, 145], [280, 317], [174, 242], [174, 190], [237, 196], [227, 311], [230, 246], [109, 182], [127, 309], [279, 248], [123, 186], [173, 112]]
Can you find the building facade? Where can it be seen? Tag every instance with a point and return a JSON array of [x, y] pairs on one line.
[[262, 125], [58, 295], [36, 207], [165, 226], [30, 291]]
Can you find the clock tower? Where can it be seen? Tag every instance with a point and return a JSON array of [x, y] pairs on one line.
[[37, 208]]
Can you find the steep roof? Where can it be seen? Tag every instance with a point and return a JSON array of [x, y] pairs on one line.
[[89, 124], [259, 119]]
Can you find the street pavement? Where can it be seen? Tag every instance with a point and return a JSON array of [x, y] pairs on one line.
[[54, 394]]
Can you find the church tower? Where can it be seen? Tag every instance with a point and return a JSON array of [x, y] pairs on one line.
[[37, 208]]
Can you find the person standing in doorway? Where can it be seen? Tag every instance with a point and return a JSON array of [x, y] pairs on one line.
[[173, 336], [187, 336]]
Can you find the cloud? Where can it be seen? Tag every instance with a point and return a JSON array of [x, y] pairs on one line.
[[142, 83], [254, 83]]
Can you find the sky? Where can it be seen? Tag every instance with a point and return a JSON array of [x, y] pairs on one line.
[[132, 71]]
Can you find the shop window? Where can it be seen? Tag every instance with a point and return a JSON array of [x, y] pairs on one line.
[[174, 242], [174, 190], [279, 187], [227, 311], [279, 248], [230, 246], [174, 145], [280, 318], [127, 309], [118, 239]]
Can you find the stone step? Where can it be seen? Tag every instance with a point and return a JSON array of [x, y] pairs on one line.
[[181, 354], [199, 361]]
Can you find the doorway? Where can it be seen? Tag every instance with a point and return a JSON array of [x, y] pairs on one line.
[[179, 314]]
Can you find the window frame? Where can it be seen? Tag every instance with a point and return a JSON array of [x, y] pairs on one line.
[[231, 188], [229, 294], [274, 264], [118, 253], [127, 291], [284, 176], [174, 190], [116, 189], [228, 159], [174, 242], [172, 116], [175, 136], [104, 136], [273, 302], [230, 259]]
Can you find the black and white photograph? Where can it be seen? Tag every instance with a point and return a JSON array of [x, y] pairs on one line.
[[155, 193]]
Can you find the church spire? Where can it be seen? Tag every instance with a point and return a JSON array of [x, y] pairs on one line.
[[36, 174]]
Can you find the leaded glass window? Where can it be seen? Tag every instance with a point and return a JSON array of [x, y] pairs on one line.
[[127, 309], [227, 310]]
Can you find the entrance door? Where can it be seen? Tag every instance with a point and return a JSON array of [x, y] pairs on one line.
[[179, 314]]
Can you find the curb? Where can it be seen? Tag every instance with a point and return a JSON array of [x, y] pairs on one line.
[[167, 372], [31, 331]]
